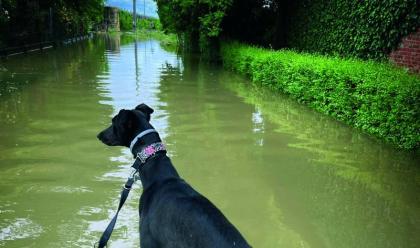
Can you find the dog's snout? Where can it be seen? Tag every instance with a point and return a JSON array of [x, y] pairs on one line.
[[101, 136], [107, 137]]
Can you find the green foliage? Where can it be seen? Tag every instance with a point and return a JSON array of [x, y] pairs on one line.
[[367, 29], [75, 17], [149, 23], [210, 16], [375, 97], [195, 19], [29, 21], [126, 22], [364, 29]]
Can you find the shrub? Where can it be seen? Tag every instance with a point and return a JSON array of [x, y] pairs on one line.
[[376, 97]]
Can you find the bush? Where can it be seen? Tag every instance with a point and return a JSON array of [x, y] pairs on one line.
[[376, 97]]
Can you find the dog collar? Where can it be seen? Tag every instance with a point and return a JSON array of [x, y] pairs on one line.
[[150, 151], [145, 132]]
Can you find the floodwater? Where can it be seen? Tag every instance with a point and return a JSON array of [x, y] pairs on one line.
[[283, 174]]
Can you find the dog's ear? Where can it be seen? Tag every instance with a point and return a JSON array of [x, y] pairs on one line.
[[146, 110]]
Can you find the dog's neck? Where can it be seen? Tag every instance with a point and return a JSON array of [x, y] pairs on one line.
[[157, 168], [144, 141]]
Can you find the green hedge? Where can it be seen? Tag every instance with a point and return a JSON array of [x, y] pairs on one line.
[[376, 97], [364, 29]]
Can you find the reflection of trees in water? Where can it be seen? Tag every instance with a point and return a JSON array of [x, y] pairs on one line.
[[54, 83], [112, 42], [50, 147], [357, 191], [23, 77], [333, 186], [217, 147]]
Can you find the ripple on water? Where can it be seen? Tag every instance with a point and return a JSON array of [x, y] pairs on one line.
[[87, 211], [19, 228], [70, 189]]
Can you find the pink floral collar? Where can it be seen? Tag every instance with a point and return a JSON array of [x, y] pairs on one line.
[[150, 151]]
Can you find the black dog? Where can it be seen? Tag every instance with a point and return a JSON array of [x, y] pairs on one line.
[[172, 213]]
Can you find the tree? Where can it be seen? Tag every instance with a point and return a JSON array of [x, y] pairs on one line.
[[27, 21], [194, 20]]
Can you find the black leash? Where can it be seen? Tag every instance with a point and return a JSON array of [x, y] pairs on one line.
[[124, 194]]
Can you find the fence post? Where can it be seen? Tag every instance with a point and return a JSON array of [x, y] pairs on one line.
[[50, 23]]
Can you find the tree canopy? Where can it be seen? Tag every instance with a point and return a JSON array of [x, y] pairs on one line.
[[195, 19], [364, 29], [29, 20]]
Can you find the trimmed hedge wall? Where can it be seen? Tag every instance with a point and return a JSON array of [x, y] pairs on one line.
[[364, 29], [375, 97]]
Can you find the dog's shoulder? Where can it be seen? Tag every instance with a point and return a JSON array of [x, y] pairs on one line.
[[179, 206]]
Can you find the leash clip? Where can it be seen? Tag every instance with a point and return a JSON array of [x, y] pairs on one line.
[[131, 179], [134, 174]]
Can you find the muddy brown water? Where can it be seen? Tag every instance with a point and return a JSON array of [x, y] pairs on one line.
[[284, 175]]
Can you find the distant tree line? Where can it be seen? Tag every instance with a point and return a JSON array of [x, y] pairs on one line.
[[143, 22], [23, 21]]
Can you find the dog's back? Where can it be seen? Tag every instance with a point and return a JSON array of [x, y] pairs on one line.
[[176, 215]]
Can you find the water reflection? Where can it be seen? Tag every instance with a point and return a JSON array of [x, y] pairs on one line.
[[133, 77], [48, 152], [258, 121], [213, 136], [283, 174], [310, 183], [351, 186]]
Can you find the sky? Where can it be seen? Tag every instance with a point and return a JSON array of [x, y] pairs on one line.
[[151, 8]]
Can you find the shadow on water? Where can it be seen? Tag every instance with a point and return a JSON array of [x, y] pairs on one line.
[[285, 175]]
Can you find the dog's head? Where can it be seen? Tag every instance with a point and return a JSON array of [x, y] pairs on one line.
[[126, 125]]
